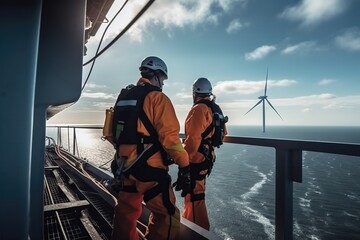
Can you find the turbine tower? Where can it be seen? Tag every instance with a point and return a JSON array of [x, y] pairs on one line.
[[262, 100]]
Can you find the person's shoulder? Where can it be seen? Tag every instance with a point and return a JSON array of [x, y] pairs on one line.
[[200, 108], [158, 95]]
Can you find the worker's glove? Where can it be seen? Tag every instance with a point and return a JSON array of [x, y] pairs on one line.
[[183, 181]]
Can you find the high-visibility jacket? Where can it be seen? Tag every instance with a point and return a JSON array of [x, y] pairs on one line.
[[151, 184], [198, 120], [160, 111]]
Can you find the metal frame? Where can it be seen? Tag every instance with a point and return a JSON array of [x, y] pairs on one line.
[[288, 160]]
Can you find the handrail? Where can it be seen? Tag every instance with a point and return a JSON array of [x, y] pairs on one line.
[[288, 166], [352, 149]]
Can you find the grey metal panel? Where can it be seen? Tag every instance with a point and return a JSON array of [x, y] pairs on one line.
[[59, 77], [20, 24], [59, 73]]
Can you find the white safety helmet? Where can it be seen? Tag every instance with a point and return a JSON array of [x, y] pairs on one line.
[[202, 86], [154, 63]]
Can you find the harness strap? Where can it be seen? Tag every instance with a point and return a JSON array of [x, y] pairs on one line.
[[141, 170], [154, 137], [197, 197], [211, 126], [146, 173], [118, 187], [151, 193], [163, 188], [129, 188], [207, 132]]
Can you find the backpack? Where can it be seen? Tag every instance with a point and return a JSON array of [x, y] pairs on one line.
[[127, 110], [218, 123], [216, 140]]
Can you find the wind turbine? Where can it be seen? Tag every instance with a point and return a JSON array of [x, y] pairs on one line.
[[262, 100]]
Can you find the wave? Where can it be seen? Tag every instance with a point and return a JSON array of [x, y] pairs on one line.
[[224, 235], [250, 213], [305, 203], [258, 185], [256, 216]]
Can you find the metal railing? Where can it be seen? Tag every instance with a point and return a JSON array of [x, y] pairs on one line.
[[288, 168]]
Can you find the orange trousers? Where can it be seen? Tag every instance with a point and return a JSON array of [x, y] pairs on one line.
[[161, 225], [196, 211]]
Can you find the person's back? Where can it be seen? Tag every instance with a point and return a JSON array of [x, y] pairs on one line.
[[200, 129], [143, 173]]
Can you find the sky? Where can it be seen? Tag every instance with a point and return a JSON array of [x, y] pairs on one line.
[[310, 49]]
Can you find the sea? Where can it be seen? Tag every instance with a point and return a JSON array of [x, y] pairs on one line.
[[240, 192]]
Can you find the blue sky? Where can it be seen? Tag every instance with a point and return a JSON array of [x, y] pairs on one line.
[[311, 49]]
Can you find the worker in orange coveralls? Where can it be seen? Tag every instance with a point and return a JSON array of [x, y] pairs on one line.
[[200, 143], [146, 133]]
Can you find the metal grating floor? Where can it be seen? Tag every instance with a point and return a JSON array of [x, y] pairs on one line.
[[56, 194], [71, 225], [67, 223], [106, 211]]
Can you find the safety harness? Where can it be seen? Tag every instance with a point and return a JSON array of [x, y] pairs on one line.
[[207, 146], [127, 111]]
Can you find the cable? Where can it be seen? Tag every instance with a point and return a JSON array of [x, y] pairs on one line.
[[102, 38], [142, 11], [122, 32]]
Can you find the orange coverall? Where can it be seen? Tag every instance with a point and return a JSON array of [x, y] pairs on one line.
[[160, 111], [198, 119]]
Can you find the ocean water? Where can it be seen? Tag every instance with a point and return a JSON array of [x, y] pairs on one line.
[[241, 188]]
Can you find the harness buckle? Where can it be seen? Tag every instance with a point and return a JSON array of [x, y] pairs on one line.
[[116, 186]]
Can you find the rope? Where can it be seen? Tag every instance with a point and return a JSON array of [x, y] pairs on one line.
[[78, 166]]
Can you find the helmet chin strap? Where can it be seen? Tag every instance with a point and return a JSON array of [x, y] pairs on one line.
[[158, 81]]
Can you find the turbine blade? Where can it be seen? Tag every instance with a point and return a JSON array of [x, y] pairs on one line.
[[267, 74], [273, 108], [254, 106]]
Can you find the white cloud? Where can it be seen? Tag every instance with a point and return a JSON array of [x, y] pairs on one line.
[[93, 85], [227, 4], [235, 25], [101, 106], [249, 87], [326, 96], [326, 81], [350, 40], [313, 12], [324, 101], [176, 13], [281, 83], [183, 95], [98, 95], [347, 102], [259, 53], [302, 47]]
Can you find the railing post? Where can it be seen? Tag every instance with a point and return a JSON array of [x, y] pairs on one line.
[[74, 140], [58, 135], [288, 169], [283, 196], [68, 140]]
